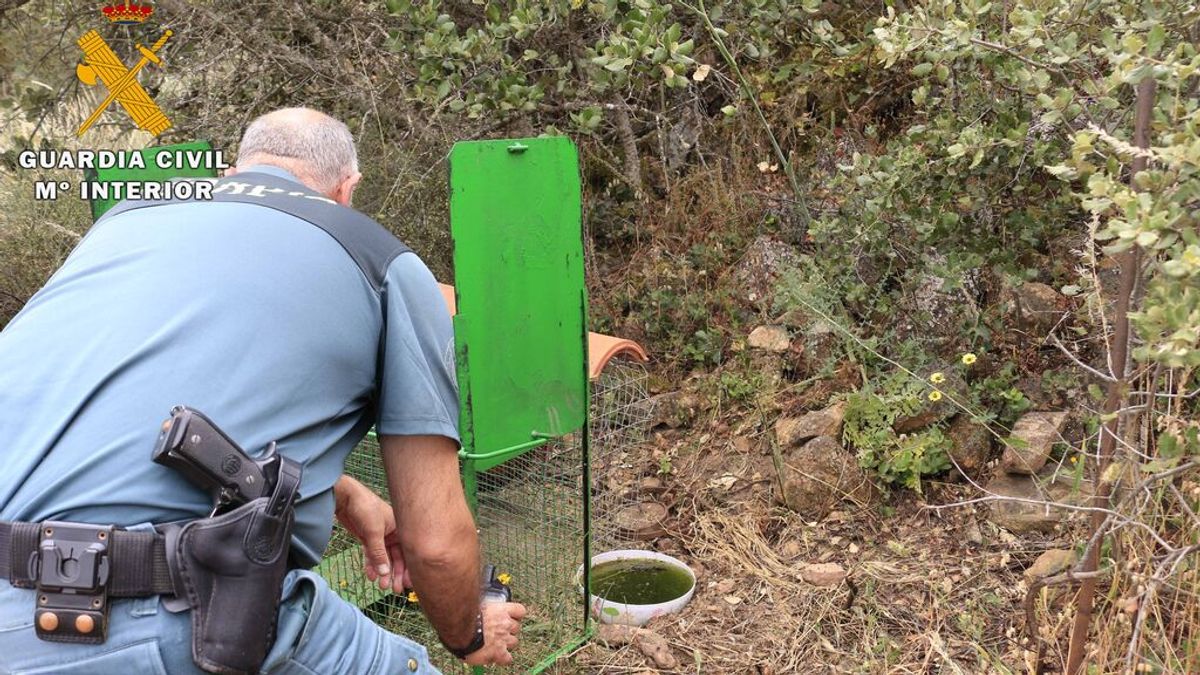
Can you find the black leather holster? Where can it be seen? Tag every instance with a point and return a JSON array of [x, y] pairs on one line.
[[230, 570]]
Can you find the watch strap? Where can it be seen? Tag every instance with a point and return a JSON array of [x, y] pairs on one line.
[[476, 643]]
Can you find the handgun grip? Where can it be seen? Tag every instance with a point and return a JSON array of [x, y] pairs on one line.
[[192, 444]]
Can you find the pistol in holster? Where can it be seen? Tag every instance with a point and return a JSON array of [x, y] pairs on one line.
[[230, 566]]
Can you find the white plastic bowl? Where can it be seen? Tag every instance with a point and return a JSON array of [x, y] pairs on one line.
[[608, 611]]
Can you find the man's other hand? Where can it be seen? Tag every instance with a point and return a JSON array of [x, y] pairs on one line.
[[373, 523], [501, 623]]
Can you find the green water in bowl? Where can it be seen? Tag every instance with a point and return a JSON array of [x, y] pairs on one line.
[[639, 582]]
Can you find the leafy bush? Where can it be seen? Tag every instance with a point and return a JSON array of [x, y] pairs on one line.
[[900, 459]]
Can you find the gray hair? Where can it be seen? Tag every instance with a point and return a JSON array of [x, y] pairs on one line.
[[312, 145]]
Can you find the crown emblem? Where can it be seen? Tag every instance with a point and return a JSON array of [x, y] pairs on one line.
[[127, 13]]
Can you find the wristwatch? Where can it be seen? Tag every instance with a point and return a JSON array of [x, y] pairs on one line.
[[476, 642]]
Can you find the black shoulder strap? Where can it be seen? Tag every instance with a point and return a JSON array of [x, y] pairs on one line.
[[367, 242]]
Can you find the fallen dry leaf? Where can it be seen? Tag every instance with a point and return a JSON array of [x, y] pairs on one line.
[[726, 482]]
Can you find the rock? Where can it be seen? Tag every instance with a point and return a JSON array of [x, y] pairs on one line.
[[768, 368], [668, 545], [758, 272], [615, 634], [655, 648], [1035, 433], [791, 431], [823, 574], [651, 484], [970, 444], [818, 344], [642, 521], [1035, 307], [796, 319], [818, 475], [769, 338], [1021, 517], [651, 644], [937, 309], [1050, 563], [674, 409], [791, 549], [1065, 251]]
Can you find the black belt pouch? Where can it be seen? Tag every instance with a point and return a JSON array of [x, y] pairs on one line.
[[231, 567]]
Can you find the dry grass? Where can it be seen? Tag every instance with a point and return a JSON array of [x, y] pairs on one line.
[[928, 591]]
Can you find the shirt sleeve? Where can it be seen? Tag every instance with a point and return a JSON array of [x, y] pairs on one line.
[[418, 386]]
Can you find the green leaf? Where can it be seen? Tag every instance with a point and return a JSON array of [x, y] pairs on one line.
[[1062, 172], [619, 65], [443, 89], [1168, 445], [922, 69], [1154, 41]]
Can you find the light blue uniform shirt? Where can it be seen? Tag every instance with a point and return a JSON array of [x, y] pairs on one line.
[[256, 318]]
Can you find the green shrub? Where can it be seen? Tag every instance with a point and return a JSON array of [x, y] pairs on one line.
[[895, 459]]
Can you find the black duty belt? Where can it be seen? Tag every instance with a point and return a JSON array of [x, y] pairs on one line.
[[76, 568]]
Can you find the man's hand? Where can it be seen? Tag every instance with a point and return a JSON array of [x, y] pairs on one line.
[[501, 623], [373, 523]]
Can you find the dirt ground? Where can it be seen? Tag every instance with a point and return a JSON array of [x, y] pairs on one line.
[[926, 590]]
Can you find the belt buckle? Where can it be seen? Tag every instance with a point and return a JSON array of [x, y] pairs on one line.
[[72, 573]]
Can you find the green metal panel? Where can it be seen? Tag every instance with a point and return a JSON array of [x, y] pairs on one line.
[[150, 173], [520, 330]]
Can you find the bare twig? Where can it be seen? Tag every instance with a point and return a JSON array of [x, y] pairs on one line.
[[1075, 359]]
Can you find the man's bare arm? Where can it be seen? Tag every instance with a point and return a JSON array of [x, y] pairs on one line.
[[436, 531]]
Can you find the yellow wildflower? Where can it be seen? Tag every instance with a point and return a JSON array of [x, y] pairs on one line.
[[412, 596], [1074, 459], [935, 395], [504, 578], [937, 378], [968, 358]]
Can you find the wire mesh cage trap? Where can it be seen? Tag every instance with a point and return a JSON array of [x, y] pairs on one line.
[[530, 511], [520, 351], [530, 400], [619, 420], [530, 514]]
